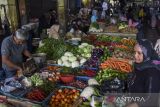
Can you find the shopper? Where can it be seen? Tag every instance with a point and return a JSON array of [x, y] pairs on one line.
[[94, 16], [146, 75], [12, 50]]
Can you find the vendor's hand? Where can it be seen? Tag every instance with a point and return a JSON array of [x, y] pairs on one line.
[[19, 72]]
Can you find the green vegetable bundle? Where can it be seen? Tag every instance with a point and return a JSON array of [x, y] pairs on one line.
[[108, 74], [48, 87], [54, 48], [36, 80]]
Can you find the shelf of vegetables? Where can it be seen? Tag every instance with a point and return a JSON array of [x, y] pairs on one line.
[[108, 60]]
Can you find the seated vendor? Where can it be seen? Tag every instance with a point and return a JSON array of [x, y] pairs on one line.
[[12, 50]]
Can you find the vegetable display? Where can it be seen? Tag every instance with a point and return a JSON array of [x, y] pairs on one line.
[[89, 73], [107, 53], [36, 94], [69, 60], [85, 50], [78, 84], [121, 65], [94, 27], [123, 54], [36, 79], [130, 30], [48, 87], [111, 28], [54, 48], [128, 42], [106, 38], [95, 58], [64, 98], [107, 74]]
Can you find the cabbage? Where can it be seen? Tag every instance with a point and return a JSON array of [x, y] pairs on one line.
[[88, 55], [83, 60], [80, 46], [64, 58], [75, 64], [59, 62], [68, 54], [72, 58], [84, 44], [67, 64], [92, 82]]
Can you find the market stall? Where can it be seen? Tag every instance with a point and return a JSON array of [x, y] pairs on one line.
[[101, 62], [114, 27]]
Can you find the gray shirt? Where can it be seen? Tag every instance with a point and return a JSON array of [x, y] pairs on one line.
[[14, 52]]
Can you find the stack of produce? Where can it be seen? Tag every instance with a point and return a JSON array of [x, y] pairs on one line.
[[128, 42], [69, 60], [107, 74], [130, 30], [36, 95], [95, 58], [106, 38], [78, 84], [48, 87], [54, 48], [117, 64], [85, 50], [107, 53], [88, 72], [94, 27], [36, 79], [123, 54], [64, 98], [124, 48], [51, 73], [111, 28], [53, 68]]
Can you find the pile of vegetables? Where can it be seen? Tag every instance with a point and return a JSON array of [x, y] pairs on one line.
[[36, 79], [124, 48], [54, 76], [107, 53], [64, 98], [122, 65], [107, 74], [95, 58], [54, 48], [36, 95], [69, 60], [89, 72], [78, 84], [123, 54], [51, 73], [85, 50], [111, 28], [106, 38], [94, 27], [130, 30], [48, 87], [53, 68], [128, 42]]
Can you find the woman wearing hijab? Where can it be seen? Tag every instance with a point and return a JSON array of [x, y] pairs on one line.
[[146, 75]]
